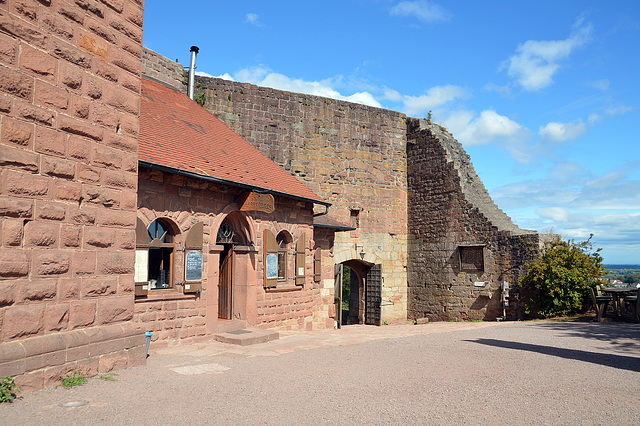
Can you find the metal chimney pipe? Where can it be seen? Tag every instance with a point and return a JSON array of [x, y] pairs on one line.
[[192, 70]]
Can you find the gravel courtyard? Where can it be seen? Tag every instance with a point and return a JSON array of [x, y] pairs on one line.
[[540, 372]]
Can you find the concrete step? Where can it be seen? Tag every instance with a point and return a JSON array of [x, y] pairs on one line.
[[247, 336]]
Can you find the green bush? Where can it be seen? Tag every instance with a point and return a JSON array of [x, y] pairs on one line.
[[8, 390], [560, 279], [200, 98]]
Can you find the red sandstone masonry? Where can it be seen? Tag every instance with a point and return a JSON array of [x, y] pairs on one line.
[[69, 86]]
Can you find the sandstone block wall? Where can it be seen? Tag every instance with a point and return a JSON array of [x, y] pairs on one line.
[[352, 155], [163, 69], [69, 117], [448, 209]]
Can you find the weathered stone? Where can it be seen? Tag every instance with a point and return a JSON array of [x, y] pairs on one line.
[[13, 264], [12, 232], [116, 263], [30, 291], [92, 287], [56, 317], [51, 263], [23, 321], [115, 309], [41, 234], [12, 207], [82, 314]]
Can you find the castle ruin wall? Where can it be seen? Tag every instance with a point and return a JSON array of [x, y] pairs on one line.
[[450, 211]]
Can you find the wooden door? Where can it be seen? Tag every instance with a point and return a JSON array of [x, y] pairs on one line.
[[225, 285]]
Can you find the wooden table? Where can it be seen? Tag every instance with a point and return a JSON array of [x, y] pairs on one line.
[[618, 293]]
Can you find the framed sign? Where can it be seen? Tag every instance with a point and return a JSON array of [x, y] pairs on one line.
[[193, 266], [253, 201], [142, 266], [272, 265]]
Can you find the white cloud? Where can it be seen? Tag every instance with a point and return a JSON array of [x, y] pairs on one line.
[[607, 206], [491, 127], [483, 129], [600, 84], [560, 132], [566, 172], [435, 97], [203, 74], [557, 214], [252, 75], [392, 95], [423, 10], [262, 76], [224, 76], [619, 110], [536, 62], [252, 18], [502, 90]]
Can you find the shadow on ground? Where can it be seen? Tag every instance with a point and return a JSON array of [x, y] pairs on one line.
[[621, 362], [624, 337]]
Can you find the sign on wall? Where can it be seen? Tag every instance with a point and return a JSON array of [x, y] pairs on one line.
[[253, 201], [142, 266], [272, 265], [193, 266]]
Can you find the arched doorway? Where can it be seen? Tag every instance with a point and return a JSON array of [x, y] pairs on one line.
[[231, 235], [358, 293]]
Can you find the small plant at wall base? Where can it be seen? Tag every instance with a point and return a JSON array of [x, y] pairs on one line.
[[72, 380], [559, 281], [8, 390]]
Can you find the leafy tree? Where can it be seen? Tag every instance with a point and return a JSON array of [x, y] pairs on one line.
[[631, 278], [559, 280]]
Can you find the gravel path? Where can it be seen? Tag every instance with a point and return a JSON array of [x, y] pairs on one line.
[[442, 373]]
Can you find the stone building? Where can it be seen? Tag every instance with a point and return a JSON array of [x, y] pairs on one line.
[[225, 237]]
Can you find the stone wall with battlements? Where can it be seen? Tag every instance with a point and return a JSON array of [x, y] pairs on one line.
[[450, 211], [69, 118]]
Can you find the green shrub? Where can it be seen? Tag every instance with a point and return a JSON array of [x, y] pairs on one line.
[[8, 390], [560, 279], [200, 98]]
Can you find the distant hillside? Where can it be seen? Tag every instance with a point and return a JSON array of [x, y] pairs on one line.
[[625, 273], [610, 267]]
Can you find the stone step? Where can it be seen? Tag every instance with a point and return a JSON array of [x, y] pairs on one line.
[[247, 336], [231, 325]]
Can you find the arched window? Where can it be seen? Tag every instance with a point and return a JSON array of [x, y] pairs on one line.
[[283, 245], [160, 255]]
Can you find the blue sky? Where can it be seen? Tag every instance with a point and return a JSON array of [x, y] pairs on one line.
[[544, 95]]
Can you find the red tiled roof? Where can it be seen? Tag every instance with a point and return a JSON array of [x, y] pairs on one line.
[[178, 133]]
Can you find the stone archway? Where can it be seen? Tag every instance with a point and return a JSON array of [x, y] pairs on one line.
[[360, 303], [233, 274]]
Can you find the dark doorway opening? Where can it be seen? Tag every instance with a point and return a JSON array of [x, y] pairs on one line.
[[225, 283], [350, 297], [358, 288]]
